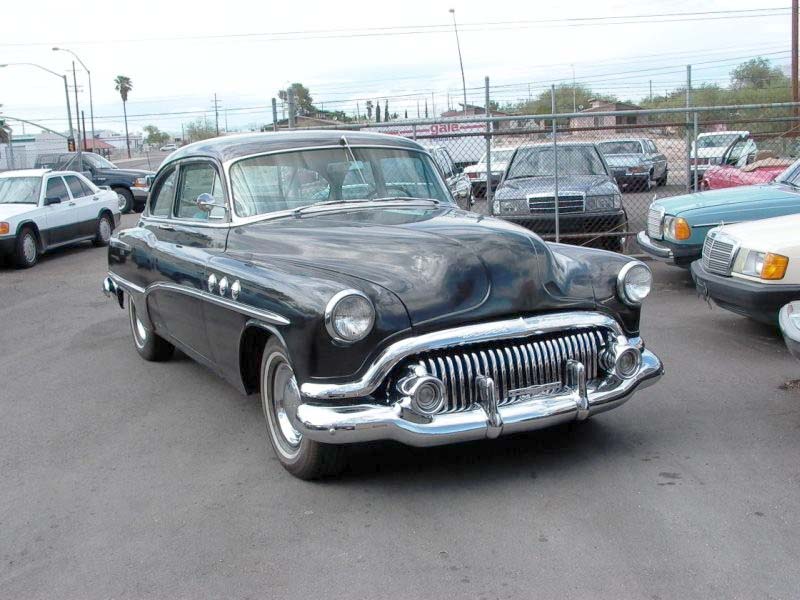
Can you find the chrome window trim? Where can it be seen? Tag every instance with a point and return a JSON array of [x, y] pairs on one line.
[[391, 356], [329, 315], [237, 220], [179, 164]]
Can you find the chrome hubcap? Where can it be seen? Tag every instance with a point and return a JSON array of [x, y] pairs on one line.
[[122, 201], [283, 400], [105, 230], [137, 327], [29, 248]]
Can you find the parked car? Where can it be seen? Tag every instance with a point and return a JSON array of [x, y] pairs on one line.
[[130, 185], [710, 149], [589, 201], [477, 173], [41, 210], [635, 163], [789, 320], [388, 315], [676, 227], [744, 164], [752, 268], [456, 180], [168, 147]]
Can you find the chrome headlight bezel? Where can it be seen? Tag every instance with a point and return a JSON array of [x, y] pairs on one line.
[[512, 206], [625, 283], [608, 201], [332, 324]]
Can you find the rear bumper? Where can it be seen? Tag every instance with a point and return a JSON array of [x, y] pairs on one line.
[[140, 194], [676, 254], [760, 301], [371, 422]]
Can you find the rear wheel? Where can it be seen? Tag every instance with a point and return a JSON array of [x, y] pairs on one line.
[[102, 233], [27, 251], [124, 199], [663, 179], [149, 345], [280, 397]]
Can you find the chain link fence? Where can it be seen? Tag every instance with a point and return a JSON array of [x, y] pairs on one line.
[[588, 178]]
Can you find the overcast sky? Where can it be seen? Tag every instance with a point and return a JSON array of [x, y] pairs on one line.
[[179, 54]]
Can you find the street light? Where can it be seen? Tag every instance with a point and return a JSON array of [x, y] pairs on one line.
[[460, 61], [89, 74], [66, 88]]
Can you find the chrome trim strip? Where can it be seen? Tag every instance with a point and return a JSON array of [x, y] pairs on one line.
[[250, 311], [574, 401], [565, 322], [128, 286]]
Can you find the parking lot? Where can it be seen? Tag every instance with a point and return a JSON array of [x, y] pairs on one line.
[[128, 479]]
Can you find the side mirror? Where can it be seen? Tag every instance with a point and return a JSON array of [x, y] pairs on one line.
[[206, 202], [52, 200]]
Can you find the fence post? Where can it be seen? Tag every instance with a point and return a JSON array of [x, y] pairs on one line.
[[695, 151], [688, 141], [414, 131], [488, 153], [290, 106], [11, 149], [274, 115], [555, 159]]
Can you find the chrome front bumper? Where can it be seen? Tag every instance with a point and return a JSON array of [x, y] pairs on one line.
[[574, 401]]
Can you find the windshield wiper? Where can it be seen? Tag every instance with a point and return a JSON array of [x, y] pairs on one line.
[[299, 210], [434, 200]]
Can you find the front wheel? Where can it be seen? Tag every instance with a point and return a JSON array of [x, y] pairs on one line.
[[280, 397], [149, 344], [124, 200], [27, 250], [102, 233]]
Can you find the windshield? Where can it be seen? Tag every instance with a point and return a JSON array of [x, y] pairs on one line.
[[98, 162], [723, 140], [620, 147], [791, 175], [572, 160], [20, 190], [291, 180], [498, 156]]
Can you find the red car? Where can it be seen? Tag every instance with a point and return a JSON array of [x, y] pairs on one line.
[[743, 164]]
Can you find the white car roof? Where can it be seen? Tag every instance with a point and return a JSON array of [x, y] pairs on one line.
[[36, 173], [716, 133]]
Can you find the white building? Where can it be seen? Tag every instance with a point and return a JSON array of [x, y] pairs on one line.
[[25, 149]]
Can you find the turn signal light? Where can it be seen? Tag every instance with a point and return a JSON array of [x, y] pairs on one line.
[[682, 229], [3, 228], [774, 266]]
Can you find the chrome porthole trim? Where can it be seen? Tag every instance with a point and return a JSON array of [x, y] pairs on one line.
[[223, 286], [236, 289], [331, 306], [212, 282]]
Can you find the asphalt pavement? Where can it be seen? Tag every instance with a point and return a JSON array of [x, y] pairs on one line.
[[127, 479]]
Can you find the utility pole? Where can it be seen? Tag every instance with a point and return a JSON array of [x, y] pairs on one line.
[[651, 90], [460, 61], [688, 123], [274, 115], [216, 114], [574, 106], [290, 102], [433, 106], [795, 86], [83, 129], [91, 99], [77, 118]]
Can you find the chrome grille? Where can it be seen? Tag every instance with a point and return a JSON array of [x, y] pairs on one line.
[[718, 252], [654, 222], [513, 365], [568, 203]]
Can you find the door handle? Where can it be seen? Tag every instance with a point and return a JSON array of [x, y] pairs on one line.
[[71, 204], [95, 199], [166, 227]]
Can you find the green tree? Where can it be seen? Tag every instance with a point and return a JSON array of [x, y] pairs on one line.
[[304, 103], [757, 73], [200, 129], [154, 136], [124, 85]]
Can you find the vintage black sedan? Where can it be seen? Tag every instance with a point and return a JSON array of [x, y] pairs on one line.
[[333, 274]]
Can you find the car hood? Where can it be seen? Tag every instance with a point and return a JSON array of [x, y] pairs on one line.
[[728, 198], [713, 152], [767, 235], [585, 184], [447, 266], [124, 172], [623, 160], [481, 167], [12, 210]]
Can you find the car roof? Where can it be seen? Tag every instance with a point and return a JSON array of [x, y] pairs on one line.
[[560, 144], [231, 147], [713, 133], [35, 173], [640, 139]]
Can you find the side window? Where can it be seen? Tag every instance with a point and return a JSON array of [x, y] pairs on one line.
[[57, 189], [75, 186], [88, 188], [161, 198], [196, 179]]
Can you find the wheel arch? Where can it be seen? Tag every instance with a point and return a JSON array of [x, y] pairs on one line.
[[253, 339], [32, 225]]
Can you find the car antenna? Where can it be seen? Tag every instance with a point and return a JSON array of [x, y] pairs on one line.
[[352, 158]]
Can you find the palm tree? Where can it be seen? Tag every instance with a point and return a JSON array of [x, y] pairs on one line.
[[124, 85]]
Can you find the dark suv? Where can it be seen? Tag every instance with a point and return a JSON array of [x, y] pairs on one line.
[[131, 185]]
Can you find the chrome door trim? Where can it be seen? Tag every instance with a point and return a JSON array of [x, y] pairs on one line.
[[128, 286], [458, 336], [245, 309]]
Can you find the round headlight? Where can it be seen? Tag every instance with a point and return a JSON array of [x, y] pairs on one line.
[[349, 316], [634, 282]]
